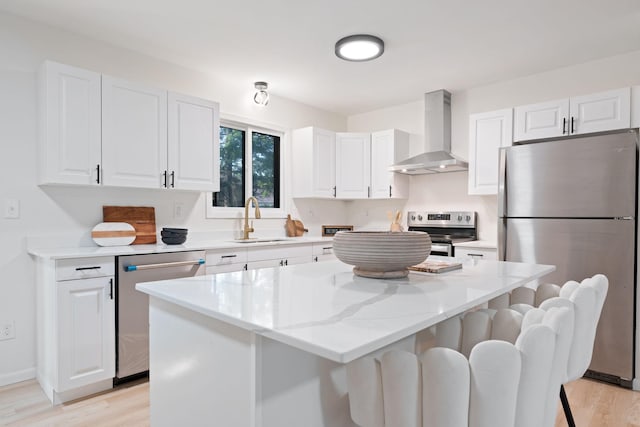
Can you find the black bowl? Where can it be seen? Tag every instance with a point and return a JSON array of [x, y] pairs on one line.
[[176, 230], [178, 240], [171, 234]]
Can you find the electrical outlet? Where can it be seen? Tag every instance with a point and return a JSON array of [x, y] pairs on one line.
[[12, 208], [7, 330], [178, 210]]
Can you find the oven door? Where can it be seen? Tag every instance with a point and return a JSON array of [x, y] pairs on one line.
[[442, 249]]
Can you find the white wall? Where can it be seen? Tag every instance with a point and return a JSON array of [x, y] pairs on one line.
[[67, 214], [448, 191]]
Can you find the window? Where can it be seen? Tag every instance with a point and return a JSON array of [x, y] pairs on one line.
[[250, 161]]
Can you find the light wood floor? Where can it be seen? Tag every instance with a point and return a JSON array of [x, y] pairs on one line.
[[594, 404]]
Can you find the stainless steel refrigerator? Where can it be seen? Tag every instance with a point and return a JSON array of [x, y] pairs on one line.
[[572, 203]]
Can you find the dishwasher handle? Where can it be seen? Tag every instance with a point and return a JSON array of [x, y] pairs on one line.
[[163, 265]]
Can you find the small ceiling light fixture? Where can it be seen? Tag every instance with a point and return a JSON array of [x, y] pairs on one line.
[[359, 47], [262, 96]]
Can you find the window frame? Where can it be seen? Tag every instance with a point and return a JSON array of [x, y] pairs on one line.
[[249, 127]]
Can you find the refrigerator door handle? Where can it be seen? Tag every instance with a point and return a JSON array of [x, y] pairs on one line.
[[502, 177], [502, 239]]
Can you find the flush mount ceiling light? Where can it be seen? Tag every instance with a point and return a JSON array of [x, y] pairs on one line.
[[359, 47], [262, 96]]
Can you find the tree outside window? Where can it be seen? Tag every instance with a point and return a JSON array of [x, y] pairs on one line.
[[262, 172]]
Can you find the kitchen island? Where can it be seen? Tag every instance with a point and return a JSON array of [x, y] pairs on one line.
[[268, 347]]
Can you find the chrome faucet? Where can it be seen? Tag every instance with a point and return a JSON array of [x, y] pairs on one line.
[[246, 230]]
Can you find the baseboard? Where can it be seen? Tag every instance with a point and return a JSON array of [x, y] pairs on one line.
[[16, 377]]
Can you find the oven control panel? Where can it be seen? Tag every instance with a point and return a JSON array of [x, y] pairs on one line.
[[441, 219]]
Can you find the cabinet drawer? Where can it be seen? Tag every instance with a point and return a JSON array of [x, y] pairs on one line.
[[323, 249], [279, 252], [476, 253], [226, 257], [83, 268]]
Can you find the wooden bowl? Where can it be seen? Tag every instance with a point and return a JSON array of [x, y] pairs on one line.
[[381, 254]]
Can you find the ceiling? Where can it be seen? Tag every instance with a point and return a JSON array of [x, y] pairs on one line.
[[429, 44]]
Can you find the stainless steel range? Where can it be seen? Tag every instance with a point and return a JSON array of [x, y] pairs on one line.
[[445, 228]]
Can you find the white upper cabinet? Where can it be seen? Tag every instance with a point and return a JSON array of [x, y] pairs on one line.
[[601, 111], [597, 112], [488, 132], [70, 138], [543, 120], [134, 134], [353, 165], [313, 158], [388, 147], [194, 143], [99, 130]]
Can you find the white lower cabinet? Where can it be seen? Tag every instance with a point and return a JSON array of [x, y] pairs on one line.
[[75, 306], [226, 260], [476, 253], [323, 252], [270, 256], [86, 332]]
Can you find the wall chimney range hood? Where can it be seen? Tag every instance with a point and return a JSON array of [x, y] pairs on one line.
[[437, 157]]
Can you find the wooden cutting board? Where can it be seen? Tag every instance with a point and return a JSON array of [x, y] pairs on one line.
[[143, 220]]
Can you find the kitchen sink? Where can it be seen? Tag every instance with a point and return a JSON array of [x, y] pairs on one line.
[[258, 240]]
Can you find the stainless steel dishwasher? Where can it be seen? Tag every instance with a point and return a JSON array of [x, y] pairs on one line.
[[132, 307]]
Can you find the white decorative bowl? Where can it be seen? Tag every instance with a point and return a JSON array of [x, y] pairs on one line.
[[381, 254]]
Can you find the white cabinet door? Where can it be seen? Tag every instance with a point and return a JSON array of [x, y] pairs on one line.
[[86, 332], [226, 268], [324, 163], [194, 143], [543, 120], [134, 134], [70, 134], [267, 263], [600, 112], [488, 132], [387, 148], [313, 158], [353, 165]]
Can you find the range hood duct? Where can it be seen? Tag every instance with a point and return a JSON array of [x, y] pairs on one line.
[[437, 157]]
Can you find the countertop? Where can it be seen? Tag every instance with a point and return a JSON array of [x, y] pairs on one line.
[[478, 244], [94, 251], [324, 309]]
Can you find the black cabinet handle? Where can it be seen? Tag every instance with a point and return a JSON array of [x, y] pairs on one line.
[[245, 267], [173, 179], [315, 259], [286, 262], [111, 288], [334, 191], [281, 263], [564, 125], [164, 174], [98, 173], [88, 268], [369, 192], [573, 129], [228, 256], [389, 191]]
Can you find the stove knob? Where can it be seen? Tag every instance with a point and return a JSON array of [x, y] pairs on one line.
[[419, 217], [413, 217], [468, 218], [459, 218]]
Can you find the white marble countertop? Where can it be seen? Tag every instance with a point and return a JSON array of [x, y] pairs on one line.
[[94, 251], [478, 244], [322, 308]]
